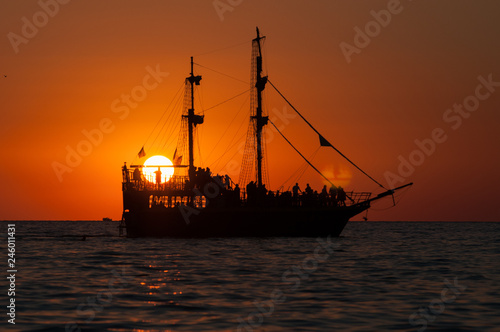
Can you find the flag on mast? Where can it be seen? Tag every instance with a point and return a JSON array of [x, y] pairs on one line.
[[323, 141], [142, 153], [176, 160]]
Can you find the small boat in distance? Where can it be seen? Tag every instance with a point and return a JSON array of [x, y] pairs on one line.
[[192, 202], [107, 219]]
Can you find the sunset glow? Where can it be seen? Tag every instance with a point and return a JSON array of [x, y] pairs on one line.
[[250, 165], [150, 169], [340, 175], [82, 92]]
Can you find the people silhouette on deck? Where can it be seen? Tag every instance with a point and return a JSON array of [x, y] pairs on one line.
[[227, 182], [158, 176], [137, 176], [308, 190], [251, 192], [203, 176], [256, 195], [126, 175], [295, 191], [341, 196], [237, 193], [333, 195], [324, 196]]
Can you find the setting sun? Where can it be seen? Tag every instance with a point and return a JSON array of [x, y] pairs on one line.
[[151, 166]]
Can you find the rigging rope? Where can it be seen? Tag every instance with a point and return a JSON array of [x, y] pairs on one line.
[[302, 154], [171, 126], [301, 174], [171, 114], [301, 170], [167, 120], [225, 101], [238, 141], [323, 139], [227, 128], [218, 72]]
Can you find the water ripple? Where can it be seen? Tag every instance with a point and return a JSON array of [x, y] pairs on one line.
[[375, 280]]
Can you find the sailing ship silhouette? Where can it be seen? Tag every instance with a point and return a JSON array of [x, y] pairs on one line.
[[196, 203]]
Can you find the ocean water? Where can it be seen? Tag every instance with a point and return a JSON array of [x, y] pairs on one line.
[[378, 276]]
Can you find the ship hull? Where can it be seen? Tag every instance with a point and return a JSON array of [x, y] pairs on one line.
[[240, 221]]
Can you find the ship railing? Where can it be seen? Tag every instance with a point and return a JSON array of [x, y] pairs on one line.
[[286, 198], [175, 183]]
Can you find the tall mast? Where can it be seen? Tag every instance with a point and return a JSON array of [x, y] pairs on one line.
[[193, 119], [261, 121]]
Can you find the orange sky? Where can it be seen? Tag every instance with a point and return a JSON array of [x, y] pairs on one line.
[[67, 75]]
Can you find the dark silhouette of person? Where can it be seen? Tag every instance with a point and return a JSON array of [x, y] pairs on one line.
[[227, 181], [308, 190], [333, 192], [296, 190], [236, 201], [126, 176], [158, 176], [237, 191], [341, 196], [324, 191], [324, 196], [137, 175], [333, 195]]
